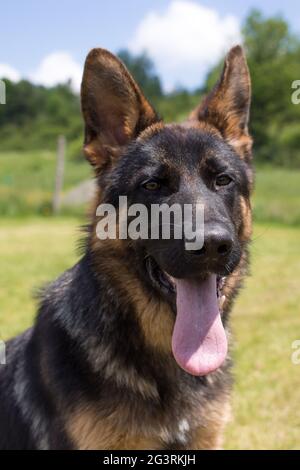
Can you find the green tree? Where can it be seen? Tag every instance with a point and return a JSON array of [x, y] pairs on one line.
[[273, 55], [34, 116], [274, 61]]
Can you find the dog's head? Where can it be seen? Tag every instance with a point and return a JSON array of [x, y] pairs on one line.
[[206, 160]]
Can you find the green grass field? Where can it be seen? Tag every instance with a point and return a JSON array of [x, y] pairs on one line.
[[27, 181], [34, 249]]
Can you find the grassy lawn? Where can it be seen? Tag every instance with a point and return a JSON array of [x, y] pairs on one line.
[[27, 180], [277, 195], [32, 252], [266, 319]]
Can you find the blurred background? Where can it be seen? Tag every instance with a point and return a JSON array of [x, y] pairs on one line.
[[174, 49]]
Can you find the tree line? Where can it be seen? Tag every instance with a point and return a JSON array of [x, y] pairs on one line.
[[34, 115]]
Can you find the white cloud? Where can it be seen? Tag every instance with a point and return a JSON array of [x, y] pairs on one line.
[[185, 41], [6, 71], [58, 67]]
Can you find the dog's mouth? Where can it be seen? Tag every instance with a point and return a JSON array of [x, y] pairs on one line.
[[166, 284], [159, 278], [199, 340]]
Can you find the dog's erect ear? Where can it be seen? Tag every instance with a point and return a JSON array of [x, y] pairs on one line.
[[115, 111], [227, 106]]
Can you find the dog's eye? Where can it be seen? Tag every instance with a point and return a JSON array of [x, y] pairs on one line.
[[151, 185], [223, 180]]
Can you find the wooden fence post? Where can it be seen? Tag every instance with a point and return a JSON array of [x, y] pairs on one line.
[[59, 177]]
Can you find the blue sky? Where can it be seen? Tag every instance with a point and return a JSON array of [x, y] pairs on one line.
[[45, 41]]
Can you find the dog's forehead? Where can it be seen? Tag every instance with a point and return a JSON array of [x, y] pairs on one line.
[[182, 144]]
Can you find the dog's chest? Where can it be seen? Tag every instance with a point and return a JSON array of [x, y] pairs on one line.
[[184, 424], [178, 434], [89, 432]]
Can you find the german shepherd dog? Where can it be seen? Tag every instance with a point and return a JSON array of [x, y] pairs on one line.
[[129, 348]]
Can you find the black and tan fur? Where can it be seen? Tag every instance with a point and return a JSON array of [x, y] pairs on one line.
[[96, 371]]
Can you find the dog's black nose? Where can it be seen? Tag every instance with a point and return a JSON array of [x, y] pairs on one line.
[[217, 242]]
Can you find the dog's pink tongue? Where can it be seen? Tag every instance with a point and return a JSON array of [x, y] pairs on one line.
[[199, 341]]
